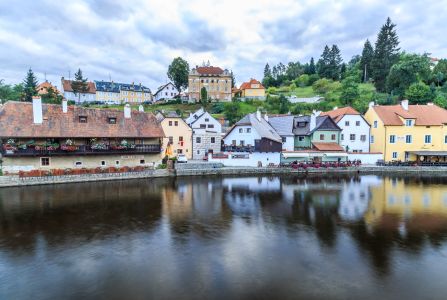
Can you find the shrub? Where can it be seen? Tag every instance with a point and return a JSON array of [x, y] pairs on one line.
[[312, 79], [322, 86], [303, 80], [419, 93], [161, 166]]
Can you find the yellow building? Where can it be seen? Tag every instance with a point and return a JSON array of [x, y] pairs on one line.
[[178, 135], [408, 132], [216, 81], [120, 93], [252, 89], [395, 200]]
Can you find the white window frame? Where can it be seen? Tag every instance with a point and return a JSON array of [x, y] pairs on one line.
[[394, 155], [393, 136], [425, 139], [406, 139]]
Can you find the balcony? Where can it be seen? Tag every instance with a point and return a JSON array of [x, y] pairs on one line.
[[232, 148], [80, 150]]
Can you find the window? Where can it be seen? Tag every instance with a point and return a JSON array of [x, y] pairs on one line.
[[180, 139], [103, 163], [375, 124], [242, 143], [333, 137], [372, 139], [210, 125], [203, 126], [346, 123], [352, 137], [142, 161], [248, 130], [180, 151], [213, 140], [408, 139], [207, 120], [301, 138], [392, 139], [117, 162], [198, 140], [44, 161], [240, 130], [357, 123], [407, 156], [171, 140], [82, 119], [176, 123], [321, 137], [112, 120], [233, 142], [428, 139], [408, 123], [284, 139], [394, 155], [78, 164], [445, 139], [342, 137], [363, 137], [170, 123]]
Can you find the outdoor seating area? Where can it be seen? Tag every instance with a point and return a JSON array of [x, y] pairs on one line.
[[306, 165], [81, 171]]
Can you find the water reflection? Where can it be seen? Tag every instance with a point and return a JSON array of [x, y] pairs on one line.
[[225, 238]]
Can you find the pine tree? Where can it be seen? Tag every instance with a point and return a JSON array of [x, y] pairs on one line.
[[267, 71], [233, 79], [312, 68], [79, 85], [29, 86], [366, 60], [323, 63], [386, 53], [335, 60]]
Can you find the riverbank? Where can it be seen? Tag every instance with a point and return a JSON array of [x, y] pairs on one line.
[[216, 170]]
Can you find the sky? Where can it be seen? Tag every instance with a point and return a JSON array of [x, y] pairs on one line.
[[136, 40]]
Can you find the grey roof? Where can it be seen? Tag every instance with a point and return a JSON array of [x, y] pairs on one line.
[[322, 123], [283, 125], [261, 126], [116, 87]]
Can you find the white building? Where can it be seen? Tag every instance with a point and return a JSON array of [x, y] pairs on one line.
[[355, 129], [206, 133], [88, 96], [165, 92], [283, 125]]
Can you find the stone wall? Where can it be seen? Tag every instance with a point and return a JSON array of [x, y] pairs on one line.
[[200, 150]]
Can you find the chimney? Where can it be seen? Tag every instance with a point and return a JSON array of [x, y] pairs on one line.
[[430, 103], [335, 107], [258, 115], [266, 117], [127, 112], [371, 104], [404, 104], [37, 110], [313, 121], [141, 108], [64, 106]]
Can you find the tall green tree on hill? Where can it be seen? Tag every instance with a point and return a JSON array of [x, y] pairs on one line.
[[440, 72], [323, 63], [79, 84], [312, 68], [178, 72], [386, 54], [335, 63], [204, 97], [366, 61], [268, 80], [233, 80], [29, 86]]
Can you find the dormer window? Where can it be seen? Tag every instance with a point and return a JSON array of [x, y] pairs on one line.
[[82, 119], [408, 123], [112, 120]]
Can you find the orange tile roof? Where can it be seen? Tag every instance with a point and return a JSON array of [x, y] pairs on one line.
[[16, 120], [66, 84], [328, 147], [248, 85], [44, 86], [209, 70], [339, 113], [424, 115]]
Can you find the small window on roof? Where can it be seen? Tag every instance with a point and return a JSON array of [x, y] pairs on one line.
[[112, 120], [82, 119]]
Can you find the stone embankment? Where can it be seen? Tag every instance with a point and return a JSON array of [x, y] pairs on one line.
[[205, 169]]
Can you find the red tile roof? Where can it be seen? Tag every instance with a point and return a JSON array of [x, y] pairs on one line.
[[66, 85], [44, 86], [424, 115], [328, 147], [248, 85], [209, 70], [16, 120], [339, 113]]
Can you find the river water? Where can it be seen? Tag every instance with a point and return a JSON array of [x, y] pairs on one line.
[[295, 237]]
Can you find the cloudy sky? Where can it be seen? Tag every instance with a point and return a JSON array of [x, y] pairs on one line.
[[135, 40]]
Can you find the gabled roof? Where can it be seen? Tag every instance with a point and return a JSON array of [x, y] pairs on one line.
[[339, 113], [322, 123], [262, 127], [195, 116], [424, 115], [209, 70], [16, 121], [282, 124], [44, 86], [162, 87], [328, 147], [66, 85], [248, 85]]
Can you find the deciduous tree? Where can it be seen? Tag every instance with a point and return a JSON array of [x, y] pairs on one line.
[[178, 72]]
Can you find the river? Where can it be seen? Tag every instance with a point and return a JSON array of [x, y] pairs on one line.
[[295, 237]]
